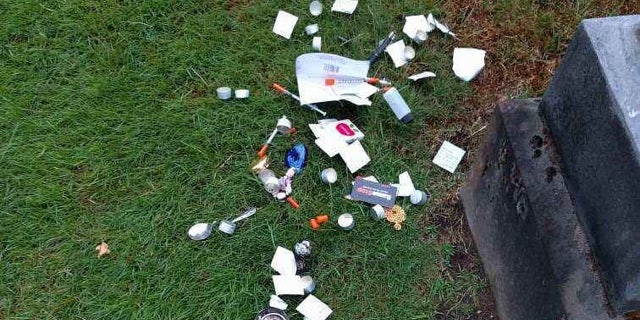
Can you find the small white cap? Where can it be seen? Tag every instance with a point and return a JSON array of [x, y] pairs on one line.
[[315, 8], [224, 93], [420, 37], [311, 29], [409, 53], [346, 221], [242, 94], [329, 175], [317, 43]]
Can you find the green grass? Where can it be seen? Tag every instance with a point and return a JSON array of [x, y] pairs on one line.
[[110, 130]]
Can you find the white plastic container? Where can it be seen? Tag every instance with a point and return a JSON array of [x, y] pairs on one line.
[[346, 221], [398, 105], [419, 198], [311, 29], [269, 181], [378, 213], [316, 43], [224, 93], [329, 175], [315, 8]]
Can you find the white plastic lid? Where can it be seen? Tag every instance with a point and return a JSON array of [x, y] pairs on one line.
[[315, 8]]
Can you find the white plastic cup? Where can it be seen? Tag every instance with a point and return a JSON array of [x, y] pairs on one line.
[[284, 125], [317, 44], [242, 94], [346, 221], [224, 93], [419, 198], [308, 284], [269, 181], [378, 213], [420, 37], [409, 53], [312, 29], [329, 176], [315, 7]]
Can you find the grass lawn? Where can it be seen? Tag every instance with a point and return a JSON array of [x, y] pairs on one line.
[[110, 130]]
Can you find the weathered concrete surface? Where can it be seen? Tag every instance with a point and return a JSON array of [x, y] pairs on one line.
[[506, 234], [592, 108], [533, 248]]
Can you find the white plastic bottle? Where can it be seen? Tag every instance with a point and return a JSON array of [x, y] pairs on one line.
[[398, 105]]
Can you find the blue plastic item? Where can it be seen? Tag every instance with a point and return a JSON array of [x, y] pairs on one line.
[[297, 157]]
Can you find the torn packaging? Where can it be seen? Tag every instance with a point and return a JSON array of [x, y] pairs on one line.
[[314, 69], [374, 193]]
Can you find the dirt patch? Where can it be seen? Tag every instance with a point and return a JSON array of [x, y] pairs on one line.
[[486, 306]]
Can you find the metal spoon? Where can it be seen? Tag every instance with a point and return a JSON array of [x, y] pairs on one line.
[[200, 231]]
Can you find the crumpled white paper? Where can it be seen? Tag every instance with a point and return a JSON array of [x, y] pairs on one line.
[[444, 29], [468, 62]]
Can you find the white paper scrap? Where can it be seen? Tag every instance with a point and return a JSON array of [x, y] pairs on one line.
[[371, 178], [285, 22], [284, 262], [396, 52], [449, 157], [317, 129], [346, 6], [354, 156], [314, 309], [366, 90], [276, 302], [405, 186], [422, 75], [431, 23], [436, 24], [330, 145], [468, 62], [413, 24], [356, 100], [287, 285]]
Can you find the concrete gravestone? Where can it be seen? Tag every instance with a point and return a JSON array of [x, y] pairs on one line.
[[553, 200]]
